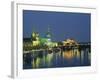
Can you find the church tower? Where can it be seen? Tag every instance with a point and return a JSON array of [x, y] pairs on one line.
[[48, 34]]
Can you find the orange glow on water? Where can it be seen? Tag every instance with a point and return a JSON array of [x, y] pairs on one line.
[[68, 54], [71, 54]]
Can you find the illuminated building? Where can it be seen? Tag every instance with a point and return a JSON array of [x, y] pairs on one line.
[[48, 41], [70, 42], [35, 39]]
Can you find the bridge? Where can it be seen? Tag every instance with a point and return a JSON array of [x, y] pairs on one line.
[[61, 48], [39, 50]]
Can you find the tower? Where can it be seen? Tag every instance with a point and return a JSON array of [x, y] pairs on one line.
[[48, 38], [48, 34]]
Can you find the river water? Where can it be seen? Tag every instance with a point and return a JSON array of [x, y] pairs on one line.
[[67, 58]]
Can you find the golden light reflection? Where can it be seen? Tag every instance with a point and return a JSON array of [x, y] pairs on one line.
[[71, 54], [68, 54]]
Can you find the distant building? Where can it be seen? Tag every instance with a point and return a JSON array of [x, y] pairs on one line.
[[69, 42], [35, 39], [48, 41]]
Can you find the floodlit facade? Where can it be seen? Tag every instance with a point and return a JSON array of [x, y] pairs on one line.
[[69, 42]]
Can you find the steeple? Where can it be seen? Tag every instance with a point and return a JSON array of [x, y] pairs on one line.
[[48, 34]]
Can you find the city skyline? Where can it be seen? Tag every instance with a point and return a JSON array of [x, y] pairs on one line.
[[62, 25]]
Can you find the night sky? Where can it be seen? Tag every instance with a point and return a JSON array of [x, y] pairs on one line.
[[63, 25]]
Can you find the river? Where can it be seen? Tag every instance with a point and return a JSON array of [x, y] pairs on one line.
[[67, 58]]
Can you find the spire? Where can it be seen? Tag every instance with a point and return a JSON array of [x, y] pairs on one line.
[[48, 34], [48, 28], [34, 33]]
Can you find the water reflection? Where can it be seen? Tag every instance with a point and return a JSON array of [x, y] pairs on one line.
[[67, 58]]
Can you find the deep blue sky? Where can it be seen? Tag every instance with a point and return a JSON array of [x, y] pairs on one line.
[[63, 25]]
